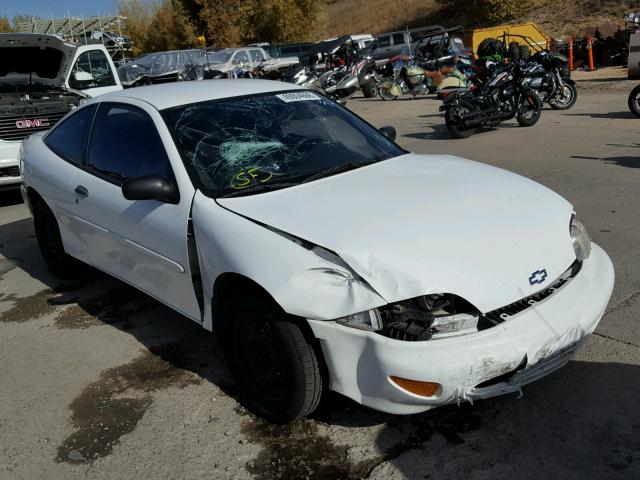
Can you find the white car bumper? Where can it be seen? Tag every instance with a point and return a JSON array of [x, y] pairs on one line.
[[9, 176], [525, 347]]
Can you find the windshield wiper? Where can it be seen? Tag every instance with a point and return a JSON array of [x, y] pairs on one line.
[[261, 187], [343, 167]]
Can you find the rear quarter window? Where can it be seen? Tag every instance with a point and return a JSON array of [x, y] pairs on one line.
[[68, 139]]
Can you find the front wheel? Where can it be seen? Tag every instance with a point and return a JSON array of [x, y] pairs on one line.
[[565, 97], [451, 118], [529, 109], [369, 88], [385, 89], [272, 363], [634, 101]]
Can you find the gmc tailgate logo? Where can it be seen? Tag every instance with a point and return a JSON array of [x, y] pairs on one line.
[[36, 122]]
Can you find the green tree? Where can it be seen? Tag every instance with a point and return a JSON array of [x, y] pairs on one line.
[[5, 24], [225, 21], [284, 20], [154, 28]]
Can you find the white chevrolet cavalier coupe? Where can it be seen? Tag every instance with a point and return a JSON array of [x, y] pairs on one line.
[[324, 256]]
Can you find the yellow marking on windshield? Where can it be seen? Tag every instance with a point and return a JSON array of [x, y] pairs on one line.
[[250, 177]]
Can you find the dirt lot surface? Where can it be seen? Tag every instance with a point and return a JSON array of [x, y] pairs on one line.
[[99, 381]]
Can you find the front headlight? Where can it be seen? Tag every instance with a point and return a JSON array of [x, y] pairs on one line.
[[429, 317], [369, 320], [580, 239]]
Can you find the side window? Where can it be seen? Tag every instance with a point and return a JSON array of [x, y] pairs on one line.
[[384, 41], [125, 144], [91, 70], [398, 39], [68, 139], [256, 56], [241, 58]]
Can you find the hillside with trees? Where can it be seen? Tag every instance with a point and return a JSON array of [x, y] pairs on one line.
[[175, 24]]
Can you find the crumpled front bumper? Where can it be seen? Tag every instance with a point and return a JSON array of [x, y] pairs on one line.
[[532, 344]]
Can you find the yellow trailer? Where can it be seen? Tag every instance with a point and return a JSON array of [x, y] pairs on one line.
[[531, 30]]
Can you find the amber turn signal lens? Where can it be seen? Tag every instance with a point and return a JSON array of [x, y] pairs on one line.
[[424, 389]]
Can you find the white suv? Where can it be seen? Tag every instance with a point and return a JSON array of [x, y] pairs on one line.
[[42, 78]]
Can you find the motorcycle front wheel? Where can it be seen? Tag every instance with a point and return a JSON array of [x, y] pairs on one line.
[[369, 88], [634, 101], [529, 109], [384, 90], [453, 125], [565, 98]]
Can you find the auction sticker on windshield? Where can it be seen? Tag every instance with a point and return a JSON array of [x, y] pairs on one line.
[[297, 96]]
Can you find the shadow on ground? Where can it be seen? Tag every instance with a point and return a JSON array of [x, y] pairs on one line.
[[610, 115], [10, 197], [581, 422], [627, 161]]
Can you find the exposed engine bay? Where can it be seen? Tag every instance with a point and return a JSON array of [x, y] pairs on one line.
[[428, 317], [22, 113]]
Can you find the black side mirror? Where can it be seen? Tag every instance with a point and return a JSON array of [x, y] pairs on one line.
[[389, 132], [151, 187]]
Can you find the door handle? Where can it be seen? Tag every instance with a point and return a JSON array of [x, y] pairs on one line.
[[82, 191]]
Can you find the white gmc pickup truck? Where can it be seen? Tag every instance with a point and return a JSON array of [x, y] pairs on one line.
[[42, 78]]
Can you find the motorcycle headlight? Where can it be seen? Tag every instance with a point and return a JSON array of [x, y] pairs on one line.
[[580, 239], [369, 320]]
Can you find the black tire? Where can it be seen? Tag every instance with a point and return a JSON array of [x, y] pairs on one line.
[[634, 101], [566, 99], [514, 51], [465, 106], [50, 243], [370, 89], [529, 110], [272, 363], [524, 53]]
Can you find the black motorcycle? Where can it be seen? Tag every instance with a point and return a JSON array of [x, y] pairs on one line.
[[501, 96], [548, 74]]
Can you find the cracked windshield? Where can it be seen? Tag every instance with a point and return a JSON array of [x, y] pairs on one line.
[[247, 145]]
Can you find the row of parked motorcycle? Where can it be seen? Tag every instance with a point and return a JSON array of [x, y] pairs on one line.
[[505, 82]]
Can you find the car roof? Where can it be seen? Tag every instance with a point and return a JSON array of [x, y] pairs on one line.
[[168, 95]]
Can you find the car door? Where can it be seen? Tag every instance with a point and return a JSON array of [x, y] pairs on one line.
[[382, 48], [143, 242], [257, 57], [67, 144], [240, 59], [93, 73], [398, 45]]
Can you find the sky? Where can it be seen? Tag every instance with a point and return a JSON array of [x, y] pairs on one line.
[[57, 8]]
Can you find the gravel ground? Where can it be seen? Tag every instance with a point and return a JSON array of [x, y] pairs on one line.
[[100, 381]]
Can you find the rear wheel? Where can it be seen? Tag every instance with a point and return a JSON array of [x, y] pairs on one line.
[[272, 363], [50, 243], [529, 109], [451, 116], [524, 52], [565, 97], [634, 101]]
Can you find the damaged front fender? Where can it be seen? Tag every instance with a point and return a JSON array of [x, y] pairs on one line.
[[306, 281]]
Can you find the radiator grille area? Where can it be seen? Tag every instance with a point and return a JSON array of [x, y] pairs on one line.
[[503, 313], [16, 128]]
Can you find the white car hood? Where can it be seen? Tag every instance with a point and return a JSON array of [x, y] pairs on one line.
[[420, 224], [42, 42]]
